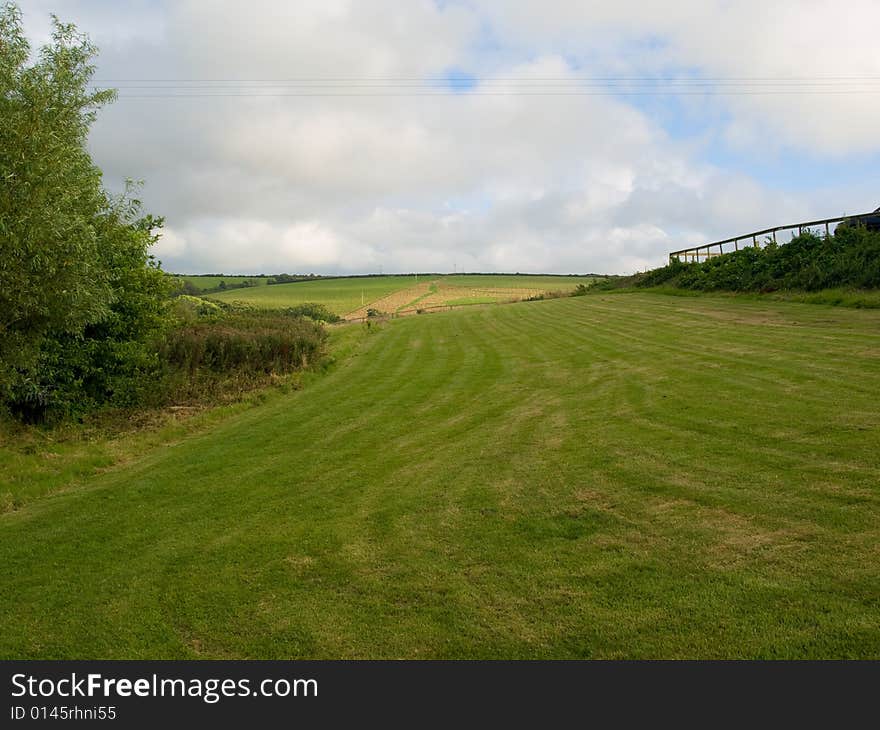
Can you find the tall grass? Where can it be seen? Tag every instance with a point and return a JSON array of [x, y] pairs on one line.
[[236, 351]]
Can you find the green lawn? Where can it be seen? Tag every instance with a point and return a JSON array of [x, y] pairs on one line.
[[339, 295], [622, 475]]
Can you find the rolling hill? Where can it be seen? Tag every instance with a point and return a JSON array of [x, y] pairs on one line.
[[621, 475]]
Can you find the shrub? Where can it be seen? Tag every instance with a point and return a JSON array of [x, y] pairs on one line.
[[664, 275], [187, 308], [313, 310], [185, 286], [245, 343], [849, 258], [110, 360]]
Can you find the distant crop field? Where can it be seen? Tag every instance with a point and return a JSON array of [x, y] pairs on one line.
[[353, 297], [470, 300], [516, 281], [212, 282], [467, 289], [339, 295], [608, 476]]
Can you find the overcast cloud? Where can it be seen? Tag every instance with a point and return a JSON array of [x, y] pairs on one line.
[[473, 181]]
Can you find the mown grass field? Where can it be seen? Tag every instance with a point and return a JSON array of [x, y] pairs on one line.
[[389, 294], [621, 475]]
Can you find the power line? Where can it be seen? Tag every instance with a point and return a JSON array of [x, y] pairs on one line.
[[499, 85], [404, 86], [466, 94], [503, 86], [610, 79]]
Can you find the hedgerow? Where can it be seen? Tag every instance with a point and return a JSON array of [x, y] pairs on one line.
[[850, 258]]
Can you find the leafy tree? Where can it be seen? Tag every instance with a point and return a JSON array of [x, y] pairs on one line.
[[80, 296], [51, 193], [115, 358], [186, 287]]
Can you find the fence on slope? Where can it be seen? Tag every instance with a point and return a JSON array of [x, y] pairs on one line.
[[716, 248]]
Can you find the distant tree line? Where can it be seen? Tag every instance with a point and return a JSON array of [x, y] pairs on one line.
[[184, 285], [290, 278]]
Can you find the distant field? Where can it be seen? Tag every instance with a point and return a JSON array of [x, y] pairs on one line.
[[516, 281], [608, 476], [212, 282], [339, 295], [354, 296], [466, 289]]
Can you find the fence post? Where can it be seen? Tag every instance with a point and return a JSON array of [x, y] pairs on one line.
[[706, 251]]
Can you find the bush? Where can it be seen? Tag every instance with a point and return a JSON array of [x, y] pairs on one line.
[[664, 275], [185, 286], [188, 309], [849, 258], [313, 310], [110, 360], [245, 343], [219, 358]]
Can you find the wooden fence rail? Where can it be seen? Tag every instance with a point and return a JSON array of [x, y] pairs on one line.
[[716, 248]]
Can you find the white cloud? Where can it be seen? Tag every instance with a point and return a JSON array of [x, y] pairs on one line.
[[479, 182], [744, 39], [171, 245]]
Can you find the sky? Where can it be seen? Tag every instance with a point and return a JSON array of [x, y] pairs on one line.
[[359, 136]]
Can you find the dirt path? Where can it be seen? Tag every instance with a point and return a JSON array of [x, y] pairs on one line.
[[391, 303]]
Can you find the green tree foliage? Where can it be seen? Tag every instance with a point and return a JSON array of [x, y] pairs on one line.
[[184, 287], [313, 310], [80, 296], [51, 192], [289, 278], [113, 359]]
